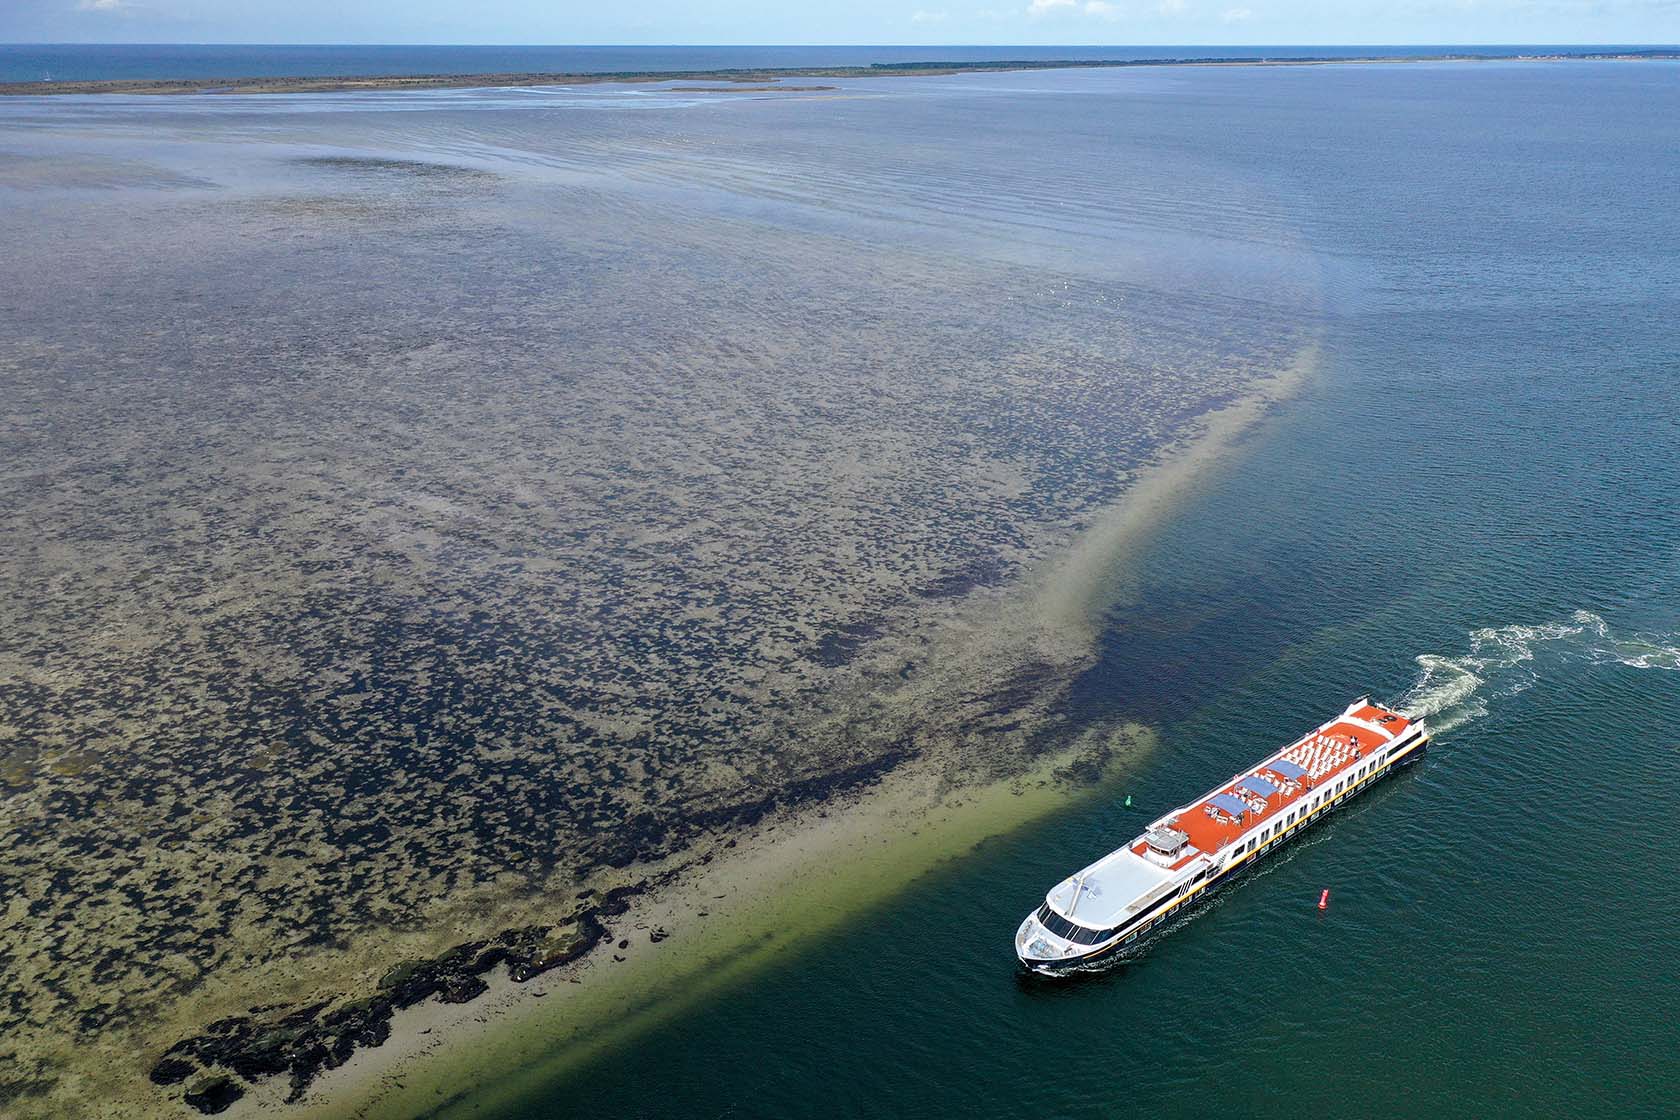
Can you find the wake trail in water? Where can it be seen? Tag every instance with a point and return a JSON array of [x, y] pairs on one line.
[[1505, 660]]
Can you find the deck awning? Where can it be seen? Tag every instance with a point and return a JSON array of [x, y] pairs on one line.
[[1283, 768], [1229, 804], [1257, 785]]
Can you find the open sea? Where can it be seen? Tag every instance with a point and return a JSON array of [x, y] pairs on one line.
[[1473, 509], [68, 62]]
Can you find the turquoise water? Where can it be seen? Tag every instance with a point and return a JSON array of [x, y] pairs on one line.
[[1471, 509]]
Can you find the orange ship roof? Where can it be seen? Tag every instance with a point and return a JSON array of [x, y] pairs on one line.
[[1323, 755]]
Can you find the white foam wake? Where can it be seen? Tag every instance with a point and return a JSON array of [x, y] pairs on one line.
[[1505, 660]]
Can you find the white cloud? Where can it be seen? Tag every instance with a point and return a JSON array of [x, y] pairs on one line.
[[1102, 8], [1237, 15], [100, 5], [1170, 7], [1045, 7], [929, 17]]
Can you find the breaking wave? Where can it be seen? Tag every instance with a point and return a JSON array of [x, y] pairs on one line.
[[1506, 660]]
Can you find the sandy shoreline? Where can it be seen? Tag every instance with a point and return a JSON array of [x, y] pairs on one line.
[[785, 884], [792, 878], [746, 77]]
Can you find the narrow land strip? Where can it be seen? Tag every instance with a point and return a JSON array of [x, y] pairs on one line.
[[755, 76]]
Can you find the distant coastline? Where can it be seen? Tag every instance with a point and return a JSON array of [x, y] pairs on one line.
[[758, 77]]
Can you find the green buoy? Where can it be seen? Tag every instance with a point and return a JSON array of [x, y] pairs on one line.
[[1128, 801]]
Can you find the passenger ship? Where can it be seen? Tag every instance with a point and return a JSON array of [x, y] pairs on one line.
[[1102, 912]]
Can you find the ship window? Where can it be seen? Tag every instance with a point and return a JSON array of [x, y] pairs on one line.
[[1054, 922], [1072, 931]]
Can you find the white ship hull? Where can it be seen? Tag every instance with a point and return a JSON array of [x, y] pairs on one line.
[[1107, 910]]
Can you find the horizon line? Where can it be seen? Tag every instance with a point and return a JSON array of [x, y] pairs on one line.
[[904, 46]]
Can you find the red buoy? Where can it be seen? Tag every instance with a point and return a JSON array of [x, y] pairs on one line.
[[1324, 899]]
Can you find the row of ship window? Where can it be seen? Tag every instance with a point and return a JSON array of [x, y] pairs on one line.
[[1289, 822], [1080, 935], [1063, 928]]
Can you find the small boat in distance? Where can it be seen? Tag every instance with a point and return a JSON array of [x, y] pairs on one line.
[[1101, 912]]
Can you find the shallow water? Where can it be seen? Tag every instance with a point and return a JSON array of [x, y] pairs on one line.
[[1471, 510], [449, 501]]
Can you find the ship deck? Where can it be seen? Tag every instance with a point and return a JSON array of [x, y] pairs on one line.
[[1101, 894], [1110, 890], [1322, 756]]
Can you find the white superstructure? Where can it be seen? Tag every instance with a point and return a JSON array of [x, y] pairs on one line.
[[1104, 909]]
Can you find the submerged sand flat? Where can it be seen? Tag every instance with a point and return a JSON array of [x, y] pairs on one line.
[[421, 513]]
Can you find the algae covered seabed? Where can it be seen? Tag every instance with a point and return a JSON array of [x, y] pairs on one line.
[[428, 513]]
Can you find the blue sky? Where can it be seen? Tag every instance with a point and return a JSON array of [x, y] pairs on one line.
[[843, 21]]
